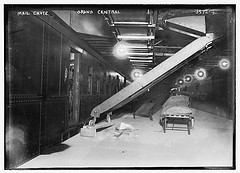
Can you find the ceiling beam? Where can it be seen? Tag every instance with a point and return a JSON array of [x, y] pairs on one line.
[[184, 32], [168, 47], [140, 61], [164, 54], [141, 65], [133, 24], [141, 58], [140, 54], [135, 37]]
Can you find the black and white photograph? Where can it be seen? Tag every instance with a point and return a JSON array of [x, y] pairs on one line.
[[119, 87]]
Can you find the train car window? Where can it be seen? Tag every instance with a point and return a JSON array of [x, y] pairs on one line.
[[109, 84], [90, 79], [213, 80], [98, 87], [118, 84], [104, 83], [114, 86], [71, 83]]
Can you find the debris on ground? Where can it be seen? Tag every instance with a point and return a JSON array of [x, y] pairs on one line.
[[123, 129], [117, 133], [124, 126]]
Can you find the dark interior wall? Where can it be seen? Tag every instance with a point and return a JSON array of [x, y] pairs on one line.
[[36, 112], [22, 139], [214, 94], [53, 120], [107, 84], [34, 87], [23, 89]]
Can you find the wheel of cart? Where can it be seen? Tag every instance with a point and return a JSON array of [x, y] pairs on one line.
[[192, 123], [164, 124], [189, 125], [151, 114], [108, 118], [134, 115]]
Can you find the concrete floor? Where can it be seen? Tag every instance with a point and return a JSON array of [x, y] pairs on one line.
[[210, 144]]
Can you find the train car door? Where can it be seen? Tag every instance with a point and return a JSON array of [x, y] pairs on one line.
[[74, 88]]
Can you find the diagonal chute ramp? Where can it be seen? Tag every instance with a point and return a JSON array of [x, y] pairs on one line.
[[153, 76]]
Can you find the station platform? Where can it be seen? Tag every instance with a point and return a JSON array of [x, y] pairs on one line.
[[209, 145]]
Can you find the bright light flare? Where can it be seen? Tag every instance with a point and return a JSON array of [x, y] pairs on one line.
[[180, 81], [200, 74], [121, 50], [136, 73], [224, 64], [188, 78]]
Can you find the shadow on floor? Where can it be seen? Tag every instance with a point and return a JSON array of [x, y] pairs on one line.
[[55, 149], [103, 128]]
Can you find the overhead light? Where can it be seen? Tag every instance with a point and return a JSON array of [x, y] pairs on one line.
[[180, 81], [224, 64], [188, 78], [200, 74], [135, 37], [120, 50], [136, 73]]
